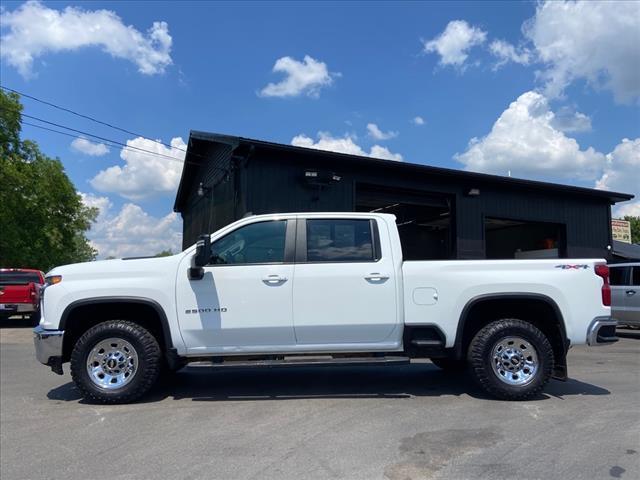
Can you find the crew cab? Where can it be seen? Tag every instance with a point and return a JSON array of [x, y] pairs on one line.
[[291, 289], [20, 292]]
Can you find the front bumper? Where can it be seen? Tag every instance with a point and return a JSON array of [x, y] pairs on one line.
[[602, 331], [48, 345]]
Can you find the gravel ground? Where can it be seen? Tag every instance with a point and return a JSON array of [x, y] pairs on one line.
[[398, 423]]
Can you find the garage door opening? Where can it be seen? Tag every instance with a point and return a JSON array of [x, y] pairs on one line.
[[505, 239], [424, 219]]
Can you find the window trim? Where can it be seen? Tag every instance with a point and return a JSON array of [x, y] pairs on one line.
[[301, 242], [289, 244]]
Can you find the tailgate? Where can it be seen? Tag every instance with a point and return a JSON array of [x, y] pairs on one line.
[[18, 293]]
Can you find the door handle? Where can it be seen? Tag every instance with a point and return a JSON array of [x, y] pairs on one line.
[[631, 293], [376, 277], [274, 279]]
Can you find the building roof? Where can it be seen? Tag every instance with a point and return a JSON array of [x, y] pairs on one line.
[[194, 158], [629, 251]]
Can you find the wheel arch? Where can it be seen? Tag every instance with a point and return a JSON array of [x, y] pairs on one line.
[[143, 311], [482, 309]]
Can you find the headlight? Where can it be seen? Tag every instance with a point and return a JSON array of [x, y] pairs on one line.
[[53, 279]]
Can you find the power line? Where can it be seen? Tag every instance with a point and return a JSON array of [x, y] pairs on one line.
[[99, 137], [104, 139], [87, 117], [109, 142]]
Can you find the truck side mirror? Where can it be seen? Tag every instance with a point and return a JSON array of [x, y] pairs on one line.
[[203, 251]]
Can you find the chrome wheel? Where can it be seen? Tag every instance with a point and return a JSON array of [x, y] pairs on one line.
[[514, 361], [112, 363]]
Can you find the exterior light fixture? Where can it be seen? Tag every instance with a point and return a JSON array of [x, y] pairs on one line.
[[202, 190], [310, 173], [473, 192]]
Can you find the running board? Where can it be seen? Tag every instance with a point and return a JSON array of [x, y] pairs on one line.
[[427, 343], [304, 361]]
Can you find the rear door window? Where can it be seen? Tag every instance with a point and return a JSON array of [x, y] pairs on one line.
[[635, 280], [340, 240]]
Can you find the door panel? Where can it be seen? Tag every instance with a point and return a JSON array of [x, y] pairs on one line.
[[620, 280], [338, 296], [237, 306], [244, 300], [632, 300]]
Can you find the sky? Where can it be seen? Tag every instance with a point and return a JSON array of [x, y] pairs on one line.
[[540, 90]]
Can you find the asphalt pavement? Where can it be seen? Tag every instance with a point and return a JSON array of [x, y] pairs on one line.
[[390, 422]]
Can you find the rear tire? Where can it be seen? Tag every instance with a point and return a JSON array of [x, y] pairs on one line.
[[115, 362], [511, 359]]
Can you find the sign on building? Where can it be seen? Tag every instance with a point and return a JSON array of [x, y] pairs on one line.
[[621, 230]]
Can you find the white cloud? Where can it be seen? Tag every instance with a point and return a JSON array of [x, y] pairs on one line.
[[378, 151], [87, 147], [594, 41], [525, 142], [145, 174], [568, 120], [418, 120], [622, 174], [32, 30], [344, 144], [506, 52], [454, 43], [376, 133], [131, 231], [306, 77]]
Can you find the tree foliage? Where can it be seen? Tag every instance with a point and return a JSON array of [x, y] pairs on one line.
[[164, 253], [42, 218], [635, 228]]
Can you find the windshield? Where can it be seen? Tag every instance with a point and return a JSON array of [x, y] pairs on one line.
[[18, 278]]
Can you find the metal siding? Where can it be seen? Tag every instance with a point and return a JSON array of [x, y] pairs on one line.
[[273, 182]]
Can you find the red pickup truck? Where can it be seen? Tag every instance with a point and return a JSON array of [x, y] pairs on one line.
[[20, 292]]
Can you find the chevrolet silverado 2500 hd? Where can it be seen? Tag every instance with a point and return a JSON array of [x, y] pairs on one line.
[[318, 288]]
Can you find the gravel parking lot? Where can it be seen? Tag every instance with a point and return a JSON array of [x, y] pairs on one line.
[[398, 423]]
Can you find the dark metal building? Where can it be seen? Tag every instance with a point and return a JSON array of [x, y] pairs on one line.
[[442, 213]]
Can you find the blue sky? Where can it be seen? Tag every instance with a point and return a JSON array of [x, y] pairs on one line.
[[548, 91]]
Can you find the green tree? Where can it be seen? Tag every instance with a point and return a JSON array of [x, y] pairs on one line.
[[164, 253], [635, 228], [42, 218]]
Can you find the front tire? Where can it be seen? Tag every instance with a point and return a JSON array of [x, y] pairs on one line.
[[511, 359], [115, 362]]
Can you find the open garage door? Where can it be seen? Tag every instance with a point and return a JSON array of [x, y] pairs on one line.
[[506, 238], [424, 219]]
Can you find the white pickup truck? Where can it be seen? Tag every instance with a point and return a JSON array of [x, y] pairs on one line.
[[291, 289]]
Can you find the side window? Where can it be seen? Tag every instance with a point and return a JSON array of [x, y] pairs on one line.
[[618, 275], [339, 241], [635, 281], [261, 242]]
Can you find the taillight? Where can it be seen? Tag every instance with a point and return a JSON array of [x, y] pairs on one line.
[[603, 271]]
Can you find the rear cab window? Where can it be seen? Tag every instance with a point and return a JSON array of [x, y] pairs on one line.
[[18, 278]]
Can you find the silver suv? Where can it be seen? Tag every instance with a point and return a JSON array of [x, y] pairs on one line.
[[625, 293]]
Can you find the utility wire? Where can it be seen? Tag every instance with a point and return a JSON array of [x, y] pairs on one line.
[[87, 117], [99, 137], [110, 143]]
